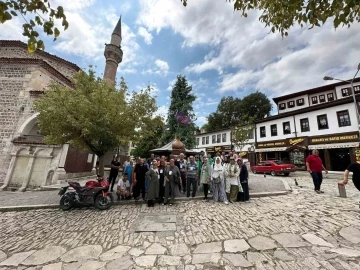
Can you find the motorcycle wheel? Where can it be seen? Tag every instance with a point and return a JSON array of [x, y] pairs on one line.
[[104, 203], [65, 203]]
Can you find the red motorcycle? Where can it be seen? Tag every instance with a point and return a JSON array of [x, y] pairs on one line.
[[94, 192]]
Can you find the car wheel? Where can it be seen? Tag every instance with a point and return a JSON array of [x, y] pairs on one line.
[[273, 173], [287, 174], [254, 171]]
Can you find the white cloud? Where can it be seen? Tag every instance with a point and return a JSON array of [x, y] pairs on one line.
[[171, 85], [246, 56], [200, 121], [163, 112], [161, 68], [145, 34], [71, 4]]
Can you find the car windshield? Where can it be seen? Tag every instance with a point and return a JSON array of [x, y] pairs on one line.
[[278, 162]]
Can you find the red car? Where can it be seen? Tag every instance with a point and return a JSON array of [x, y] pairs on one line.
[[273, 167]]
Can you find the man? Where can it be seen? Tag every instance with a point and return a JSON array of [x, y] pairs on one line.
[[172, 176], [191, 176], [181, 164], [355, 169], [315, 167], [114, 171], [202, 155], [123, 188], [127, 162], [139, 179]]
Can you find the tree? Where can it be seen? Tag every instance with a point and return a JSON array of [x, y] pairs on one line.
[[241, 133], [94, 116], [181, 101], [41, 14], [149, 137], [282, 15], [255, 106]]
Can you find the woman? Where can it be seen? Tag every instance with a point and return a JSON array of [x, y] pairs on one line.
[[128, 170], [218, 180], [205, 177], [153, 177], [172, 176], [233, 185], [161, 170], [243, 177]]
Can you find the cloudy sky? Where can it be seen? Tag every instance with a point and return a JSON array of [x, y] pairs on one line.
[[221, 53]]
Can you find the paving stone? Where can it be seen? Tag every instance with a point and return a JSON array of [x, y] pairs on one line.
[[3, 256], [16, 259], [45, 255], [136, 252], [236, 245], [54, 266], [206, 258], [123, 263], [346, 252], [290, 240], [283, 255], [351, 234], [114, 253], [179, 249], [190, 267], [315, 240], [262, 243], [255, 257], [72, 266], [155, 249], [209, 248], [146, 260], [236, 260], [168, 260], [82, 253], [92, 265]]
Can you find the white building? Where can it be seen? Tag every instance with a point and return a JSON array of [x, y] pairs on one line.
[[322, 118]]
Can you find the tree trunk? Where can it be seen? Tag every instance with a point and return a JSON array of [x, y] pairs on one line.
[[101, 165]]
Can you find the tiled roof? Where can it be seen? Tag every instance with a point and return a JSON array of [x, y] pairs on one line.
[[39, 62], [18, 43]]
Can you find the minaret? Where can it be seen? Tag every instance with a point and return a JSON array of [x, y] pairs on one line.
[[113, 54]]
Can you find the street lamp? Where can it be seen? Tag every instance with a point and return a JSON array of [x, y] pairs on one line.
[[328, 78]]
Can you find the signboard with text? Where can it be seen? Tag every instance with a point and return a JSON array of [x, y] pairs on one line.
[[357, 155], [301, 141], [337, 138]]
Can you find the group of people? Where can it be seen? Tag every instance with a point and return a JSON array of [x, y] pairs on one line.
[[159, 180]]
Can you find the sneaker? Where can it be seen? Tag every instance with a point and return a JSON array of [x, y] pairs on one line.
[[226, 203], [318, 191], [321, 191]]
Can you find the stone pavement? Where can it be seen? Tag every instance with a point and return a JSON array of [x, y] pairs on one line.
[[257, 184], [301, 230]]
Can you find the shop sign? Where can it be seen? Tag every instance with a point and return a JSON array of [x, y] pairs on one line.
[[243, 154], [271, 144], [296, 141], [282, 143], [357, 155], [349, 137], [219, 149]]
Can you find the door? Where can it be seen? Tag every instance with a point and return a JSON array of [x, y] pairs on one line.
[[267, 167], [340, 159]]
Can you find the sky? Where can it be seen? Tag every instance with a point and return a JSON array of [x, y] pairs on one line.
[[219, 52]]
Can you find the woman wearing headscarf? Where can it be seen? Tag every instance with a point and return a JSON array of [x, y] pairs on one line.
[[205, 177], [153, 177], [233, 185], [243, 177], [218, 180]]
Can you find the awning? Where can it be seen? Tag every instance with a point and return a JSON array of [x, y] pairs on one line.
[[333, 145], [275, 149]]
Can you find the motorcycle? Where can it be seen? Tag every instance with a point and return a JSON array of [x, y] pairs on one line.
[[94, 192]]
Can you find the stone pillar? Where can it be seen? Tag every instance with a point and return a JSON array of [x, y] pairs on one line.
[[27, 174], [9, 173], [60, 170]]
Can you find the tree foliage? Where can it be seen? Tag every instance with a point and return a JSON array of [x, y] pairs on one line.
[[94, 116], [282, 15], [233, 112], [242, 133], [181, 101], [36, 13], [149, 137]]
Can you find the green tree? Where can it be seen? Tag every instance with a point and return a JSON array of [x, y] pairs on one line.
[[242, 133], [94, 116], [255, 106], [36, 13], [181, 101], [149, 137], [282, 15]]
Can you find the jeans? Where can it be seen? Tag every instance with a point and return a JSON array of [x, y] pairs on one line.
[[193, 182], [112, 179], [206, 190], [317, 179], [139, 188]]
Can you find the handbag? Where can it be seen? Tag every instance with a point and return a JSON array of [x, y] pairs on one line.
[[217, 180]]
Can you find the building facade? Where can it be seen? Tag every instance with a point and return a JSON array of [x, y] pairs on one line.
[[323, 118]]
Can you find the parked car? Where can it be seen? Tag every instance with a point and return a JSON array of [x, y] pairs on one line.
[[274, 167]]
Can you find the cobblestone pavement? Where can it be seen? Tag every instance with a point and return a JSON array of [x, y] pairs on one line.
[[301, 230], [8, 198]]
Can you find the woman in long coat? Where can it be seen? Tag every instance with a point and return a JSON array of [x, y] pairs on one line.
[[244, 178], [233, 185], [153, 176], [218, 180]]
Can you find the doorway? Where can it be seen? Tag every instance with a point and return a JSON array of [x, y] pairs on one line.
[[339, 158]]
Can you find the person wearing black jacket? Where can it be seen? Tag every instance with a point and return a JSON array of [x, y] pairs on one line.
[[244, 178], [114, 171]]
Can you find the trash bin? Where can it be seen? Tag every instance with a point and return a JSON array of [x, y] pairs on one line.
[[342, 190]]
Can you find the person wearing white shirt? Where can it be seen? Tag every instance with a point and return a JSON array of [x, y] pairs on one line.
[[123, 188]]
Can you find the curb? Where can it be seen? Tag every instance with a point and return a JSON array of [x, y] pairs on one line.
[[129, 202]]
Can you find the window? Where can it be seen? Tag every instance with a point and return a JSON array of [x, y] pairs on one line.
[[286, 128], [343, 118], [314, 100], [282, 106], [346, 92], [291, 104], [300, 102], [197, 141], [322, 121], [262, 132], [330, 97], [304, 123], [251, 134], [357, 89], [322, 98], [224, 137], [203, 140], [218, 138], [207, 139], [273, 129], [213, 138]]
